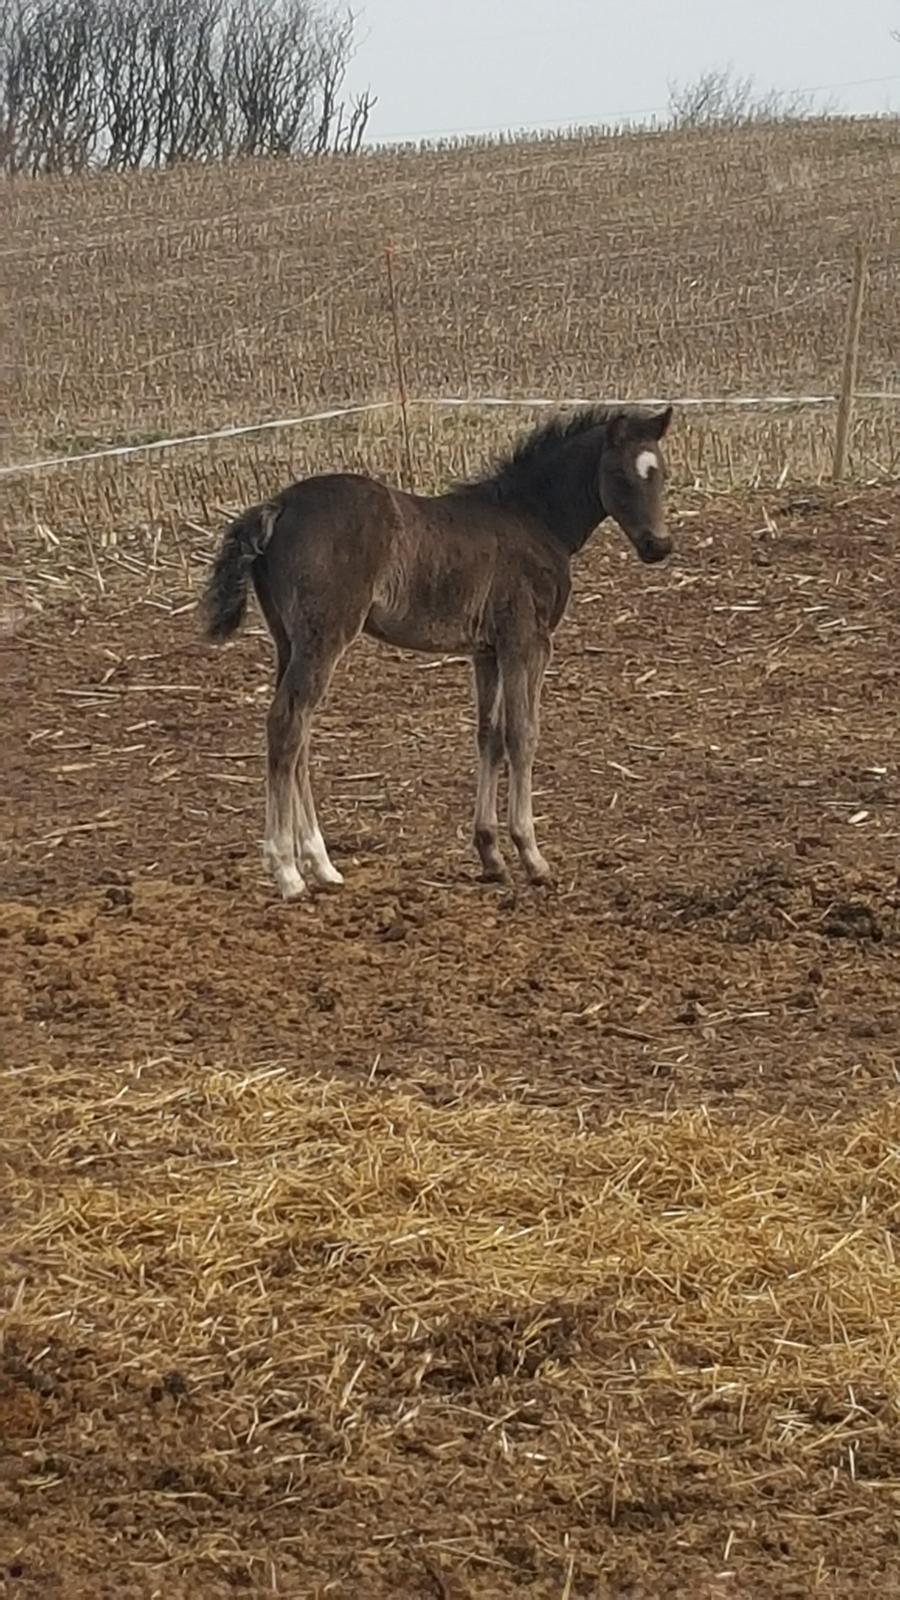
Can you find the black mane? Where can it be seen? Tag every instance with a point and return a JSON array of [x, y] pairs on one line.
[[558, 484]]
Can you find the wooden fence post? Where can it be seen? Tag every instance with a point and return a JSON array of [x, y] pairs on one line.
[[398, 359], [851, 363]]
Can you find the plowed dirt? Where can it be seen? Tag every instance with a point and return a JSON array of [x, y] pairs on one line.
[[309, 1200]]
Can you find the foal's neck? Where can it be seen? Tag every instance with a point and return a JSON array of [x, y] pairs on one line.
[[570, 502]]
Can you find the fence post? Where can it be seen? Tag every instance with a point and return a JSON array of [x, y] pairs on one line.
[[398, 359], [851, 363]]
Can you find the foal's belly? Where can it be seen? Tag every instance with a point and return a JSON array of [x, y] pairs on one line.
[[430, 635]]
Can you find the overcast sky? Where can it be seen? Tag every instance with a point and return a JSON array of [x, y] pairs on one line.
[[466, 66]]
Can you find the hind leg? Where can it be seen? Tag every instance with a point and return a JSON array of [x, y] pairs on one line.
[[294, 843], [310, 854], [315, 862], [284, 732]]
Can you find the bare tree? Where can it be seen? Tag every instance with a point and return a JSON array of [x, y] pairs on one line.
[[15, 85], [125, 79], [720, 97], [283, 69], [128, 83], [349, 134], [270, 75], [49, 110]]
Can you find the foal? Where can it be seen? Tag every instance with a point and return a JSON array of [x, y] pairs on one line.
[[481, 571]]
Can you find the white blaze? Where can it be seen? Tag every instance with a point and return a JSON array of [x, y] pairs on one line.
[[646, 463]]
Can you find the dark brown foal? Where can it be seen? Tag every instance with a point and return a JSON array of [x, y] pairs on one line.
[[482, 571]]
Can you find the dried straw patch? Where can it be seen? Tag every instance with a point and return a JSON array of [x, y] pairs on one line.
[[257, 1320]]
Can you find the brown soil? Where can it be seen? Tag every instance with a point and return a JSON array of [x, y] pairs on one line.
[[223, 1111]]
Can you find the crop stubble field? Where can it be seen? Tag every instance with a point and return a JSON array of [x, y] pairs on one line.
[[433, 1239]]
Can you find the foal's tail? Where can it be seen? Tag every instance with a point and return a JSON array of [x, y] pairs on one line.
[[243, 542]]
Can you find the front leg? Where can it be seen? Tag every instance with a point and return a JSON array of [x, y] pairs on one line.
[[489, 740], [522, 676]]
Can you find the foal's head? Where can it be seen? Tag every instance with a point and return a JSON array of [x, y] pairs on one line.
[[632, 477]]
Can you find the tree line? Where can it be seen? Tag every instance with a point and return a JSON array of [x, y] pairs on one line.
[[122, 84]]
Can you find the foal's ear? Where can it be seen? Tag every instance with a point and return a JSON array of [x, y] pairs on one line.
[[659, 424], [617, 428]]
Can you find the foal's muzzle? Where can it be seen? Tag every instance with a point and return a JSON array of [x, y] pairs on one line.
[[652, 547]]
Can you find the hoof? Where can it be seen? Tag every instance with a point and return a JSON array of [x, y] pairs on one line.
[[493, 866], [291, 886], [326, 883], [538, 874], [316, 866], [494, 873]]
